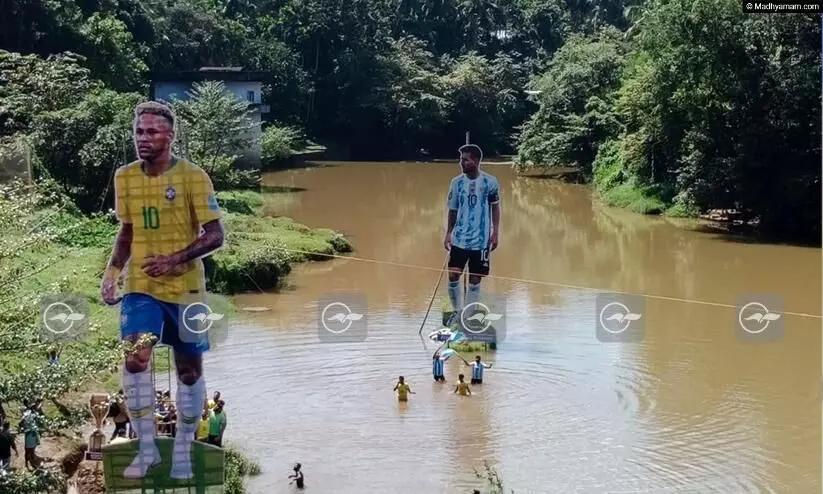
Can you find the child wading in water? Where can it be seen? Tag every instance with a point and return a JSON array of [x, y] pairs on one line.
[[403, 389], [462, 386]]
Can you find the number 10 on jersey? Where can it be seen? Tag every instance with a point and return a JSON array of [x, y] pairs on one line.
[[151, 218]]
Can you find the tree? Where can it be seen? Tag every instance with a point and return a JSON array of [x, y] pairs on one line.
[[576, 111], [214, 129]]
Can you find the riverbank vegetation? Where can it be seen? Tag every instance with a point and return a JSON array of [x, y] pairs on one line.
[[664, 106], [696, 106], [48, 246], [58, 227]]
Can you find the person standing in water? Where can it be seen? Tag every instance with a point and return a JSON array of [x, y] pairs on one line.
[[297, 476], [477, 369], [473, 226], [403, 389], [462, 387], [438, 367]]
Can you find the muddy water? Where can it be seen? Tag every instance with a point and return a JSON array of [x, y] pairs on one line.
[[690, 408]]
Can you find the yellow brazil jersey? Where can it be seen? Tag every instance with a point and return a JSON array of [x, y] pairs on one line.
[[166, 213], [403, 391], [463, 388], [203, 428]]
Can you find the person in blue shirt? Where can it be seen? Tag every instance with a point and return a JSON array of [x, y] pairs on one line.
[[477, 369], [473, 226], [437, 367]]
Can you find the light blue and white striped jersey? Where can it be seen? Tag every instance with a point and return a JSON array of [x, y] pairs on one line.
[[437, 367], [477, 369], [472, 199]]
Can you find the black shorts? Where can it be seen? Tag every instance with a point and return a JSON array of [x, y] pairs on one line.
[[477, 381], [440, 378], [478, 260]]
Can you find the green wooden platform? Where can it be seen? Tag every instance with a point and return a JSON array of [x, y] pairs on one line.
[[208, 464]]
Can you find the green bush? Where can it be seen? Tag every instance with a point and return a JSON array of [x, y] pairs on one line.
[[280, 142], [259, 252], [608, 169], [39, 482], [239, 201], [225, 176], [248, 263], [238, 466], [78, 231]]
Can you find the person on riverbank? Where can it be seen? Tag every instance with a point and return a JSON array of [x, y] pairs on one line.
[[214, 400], [462, 387], [217, 424], [121, 415], [477, 369], [203, 427], [163, 204], [472, 229], [30, 425], [7, 445], [54, 357], [438, 367], [403, 389]]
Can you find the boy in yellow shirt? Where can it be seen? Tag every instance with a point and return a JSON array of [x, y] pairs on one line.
[[403, 389], [203, 427], [462, 386]]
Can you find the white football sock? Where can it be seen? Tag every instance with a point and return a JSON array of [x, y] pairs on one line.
[[139, 390], [454, 295], [473, 294], [190, 400]]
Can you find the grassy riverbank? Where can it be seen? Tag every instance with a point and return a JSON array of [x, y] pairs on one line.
[[48, 246]]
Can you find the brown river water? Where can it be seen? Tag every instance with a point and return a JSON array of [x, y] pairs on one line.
[[692, 407]]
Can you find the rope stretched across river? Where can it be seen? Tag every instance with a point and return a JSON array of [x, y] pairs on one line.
[[539, 282]]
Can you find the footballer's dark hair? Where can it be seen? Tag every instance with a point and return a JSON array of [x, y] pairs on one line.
[[472, 150], [155, 108]]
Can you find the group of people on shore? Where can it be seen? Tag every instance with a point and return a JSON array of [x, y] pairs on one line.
[[210, 428], [31, 423]]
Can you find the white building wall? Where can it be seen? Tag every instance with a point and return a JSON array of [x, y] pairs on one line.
[[248, 91]]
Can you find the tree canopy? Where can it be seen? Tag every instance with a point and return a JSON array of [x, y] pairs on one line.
[[689, 102]]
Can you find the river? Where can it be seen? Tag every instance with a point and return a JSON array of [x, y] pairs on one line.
[[692, 407]]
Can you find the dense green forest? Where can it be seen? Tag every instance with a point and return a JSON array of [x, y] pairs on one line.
[[675, 106]]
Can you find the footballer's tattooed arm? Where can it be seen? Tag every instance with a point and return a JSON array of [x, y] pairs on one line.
[[122, 246], [120, 254], [211, 240]]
